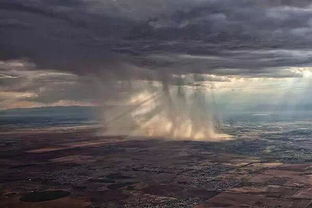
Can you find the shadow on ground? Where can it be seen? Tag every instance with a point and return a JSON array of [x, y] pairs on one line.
[[77, 169]]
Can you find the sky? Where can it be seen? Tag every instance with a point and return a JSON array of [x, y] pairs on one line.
[[246, 54]]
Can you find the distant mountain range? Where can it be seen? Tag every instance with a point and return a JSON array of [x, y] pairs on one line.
[[48, 116]]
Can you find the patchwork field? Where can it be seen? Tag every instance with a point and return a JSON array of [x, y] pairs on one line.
[[74, 168]]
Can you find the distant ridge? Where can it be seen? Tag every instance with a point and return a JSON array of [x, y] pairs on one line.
[[47, 109], [48, 116]]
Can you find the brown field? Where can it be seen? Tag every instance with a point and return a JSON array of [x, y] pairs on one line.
[[75, 169]]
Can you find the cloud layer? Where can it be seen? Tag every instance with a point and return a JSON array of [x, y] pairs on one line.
[[207, 36], [51, 49]]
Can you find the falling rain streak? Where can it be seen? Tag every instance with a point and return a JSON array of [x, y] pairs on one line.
[[172, 109]]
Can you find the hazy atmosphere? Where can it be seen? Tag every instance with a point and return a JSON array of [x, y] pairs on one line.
[[218, 87]]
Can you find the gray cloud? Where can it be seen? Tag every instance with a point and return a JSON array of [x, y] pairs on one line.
[[133, 38], [22, 81]]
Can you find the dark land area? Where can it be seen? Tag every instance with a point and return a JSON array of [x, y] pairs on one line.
[[74, 167]]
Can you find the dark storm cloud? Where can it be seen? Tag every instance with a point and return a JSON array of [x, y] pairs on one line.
[[121, 38]]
